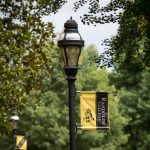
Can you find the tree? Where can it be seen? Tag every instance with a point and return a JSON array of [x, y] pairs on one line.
[[50, 114], [129, 53], [23, 35], [45, 118], [132, 44], [135, 104]]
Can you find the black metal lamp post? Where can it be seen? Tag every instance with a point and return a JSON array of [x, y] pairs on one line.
[[15, 119], [70, 45]]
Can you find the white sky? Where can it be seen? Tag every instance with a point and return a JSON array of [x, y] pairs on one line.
[[90, 34]]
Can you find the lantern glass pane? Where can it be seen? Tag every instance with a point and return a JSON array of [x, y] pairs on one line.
[[63, 54], [73, 53]]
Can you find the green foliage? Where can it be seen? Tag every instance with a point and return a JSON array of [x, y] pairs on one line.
[[131, 46], [129, 53], [136, 105], [47, 126], [98, 14], [130, 56], [112, 11], [23, 35], [47, 111], [45, 117]]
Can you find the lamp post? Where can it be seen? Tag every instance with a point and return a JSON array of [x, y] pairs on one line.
[[70, 44], [15, 119]]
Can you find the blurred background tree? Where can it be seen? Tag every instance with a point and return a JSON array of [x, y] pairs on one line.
[[23, 35], [129, 53]]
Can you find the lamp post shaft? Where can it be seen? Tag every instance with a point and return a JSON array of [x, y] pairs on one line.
[[14, 138], [72, 123]]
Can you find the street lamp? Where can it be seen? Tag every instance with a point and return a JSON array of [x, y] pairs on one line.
[[70, 44], [15, 119]]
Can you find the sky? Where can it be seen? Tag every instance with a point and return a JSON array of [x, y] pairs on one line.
[[90, 34]]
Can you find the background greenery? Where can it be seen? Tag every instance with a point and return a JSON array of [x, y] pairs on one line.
[[33, 82]]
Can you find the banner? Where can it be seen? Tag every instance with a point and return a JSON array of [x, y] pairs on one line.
[[21, 142], [94, 110]]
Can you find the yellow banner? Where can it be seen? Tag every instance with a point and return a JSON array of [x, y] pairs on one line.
[[88, 110], [21, 142], [94, 110]]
